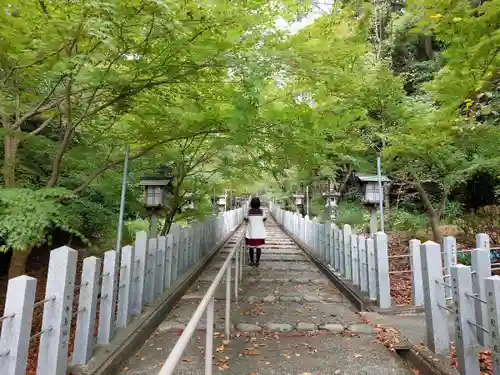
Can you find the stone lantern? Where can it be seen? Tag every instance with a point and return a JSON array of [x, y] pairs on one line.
[[299, 202], [189, 201], [331, 197], [371, 195], [155, 197], [221, 203], [331, 205]]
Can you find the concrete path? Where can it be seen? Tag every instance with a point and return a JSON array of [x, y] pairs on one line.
[[289, 320]]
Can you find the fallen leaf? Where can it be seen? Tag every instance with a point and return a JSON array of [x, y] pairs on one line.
[[124, 369], [253, 373], [187, 359], [143, 358], [357, 355]]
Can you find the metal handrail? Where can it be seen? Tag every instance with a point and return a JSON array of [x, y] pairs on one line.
[[208, 304]]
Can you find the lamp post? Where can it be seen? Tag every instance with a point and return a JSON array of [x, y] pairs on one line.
[[189, 201], [373, 196], [299, 202], [380, 194], [155, 197], [122, 205], [221, 202], [307, 200]]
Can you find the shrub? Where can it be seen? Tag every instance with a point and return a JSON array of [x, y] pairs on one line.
[[453, 210], [352, 213], [406, 221], [484, 220]]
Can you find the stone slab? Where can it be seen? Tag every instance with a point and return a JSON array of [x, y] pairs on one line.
[[269, 354]]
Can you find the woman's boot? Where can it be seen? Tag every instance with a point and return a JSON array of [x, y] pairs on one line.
[[257, 262], [250, 252]]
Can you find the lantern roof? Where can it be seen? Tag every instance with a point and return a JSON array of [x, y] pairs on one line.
[[154, 181], [365, 177]]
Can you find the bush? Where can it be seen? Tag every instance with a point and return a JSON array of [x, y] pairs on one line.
[[484, 220], [407, 221], [131, 228], [453, 211], [352, 213]]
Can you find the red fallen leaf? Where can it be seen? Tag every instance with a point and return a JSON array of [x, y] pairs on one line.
[[179, 332], [251, 352]]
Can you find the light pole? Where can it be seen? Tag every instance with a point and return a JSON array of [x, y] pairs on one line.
[[380, 194], [307, 200], [119, 232]]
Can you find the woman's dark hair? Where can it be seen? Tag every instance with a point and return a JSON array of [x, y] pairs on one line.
[[255, 202]]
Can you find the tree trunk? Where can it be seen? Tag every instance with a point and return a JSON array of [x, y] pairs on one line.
[[18, 261], [434, 222], [345, 181], [432, 214], [11, 144]]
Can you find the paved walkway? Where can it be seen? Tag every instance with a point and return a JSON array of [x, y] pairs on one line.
[[289, 320]]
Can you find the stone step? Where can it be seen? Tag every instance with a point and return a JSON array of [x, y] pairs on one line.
[[359, 328], [266, 353], [289, 319], [284, 253], [266, 257], [278, 265], [274, 278]]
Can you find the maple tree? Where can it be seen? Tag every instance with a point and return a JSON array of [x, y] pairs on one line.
[[232, 100]]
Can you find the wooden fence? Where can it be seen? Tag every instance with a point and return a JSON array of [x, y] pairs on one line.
[[112, 291]]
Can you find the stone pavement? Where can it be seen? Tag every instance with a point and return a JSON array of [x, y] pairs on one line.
[[289, 320]]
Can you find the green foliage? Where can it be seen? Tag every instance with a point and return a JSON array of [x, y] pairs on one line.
[[453, 211], [352, 213], [406, 221], [484, 220], [233, 103], [28, 216]]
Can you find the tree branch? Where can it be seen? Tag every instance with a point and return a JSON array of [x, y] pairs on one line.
[[36, 62], [44, 8], [43, 126], [35, 110], [442, 203], [143, 152], [345, 181]]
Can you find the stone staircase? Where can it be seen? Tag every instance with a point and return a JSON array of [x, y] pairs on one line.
[[289, 319]]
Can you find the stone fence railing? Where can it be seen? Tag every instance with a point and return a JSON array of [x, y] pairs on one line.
[[469, 295], [360, 260], [111, 293]]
